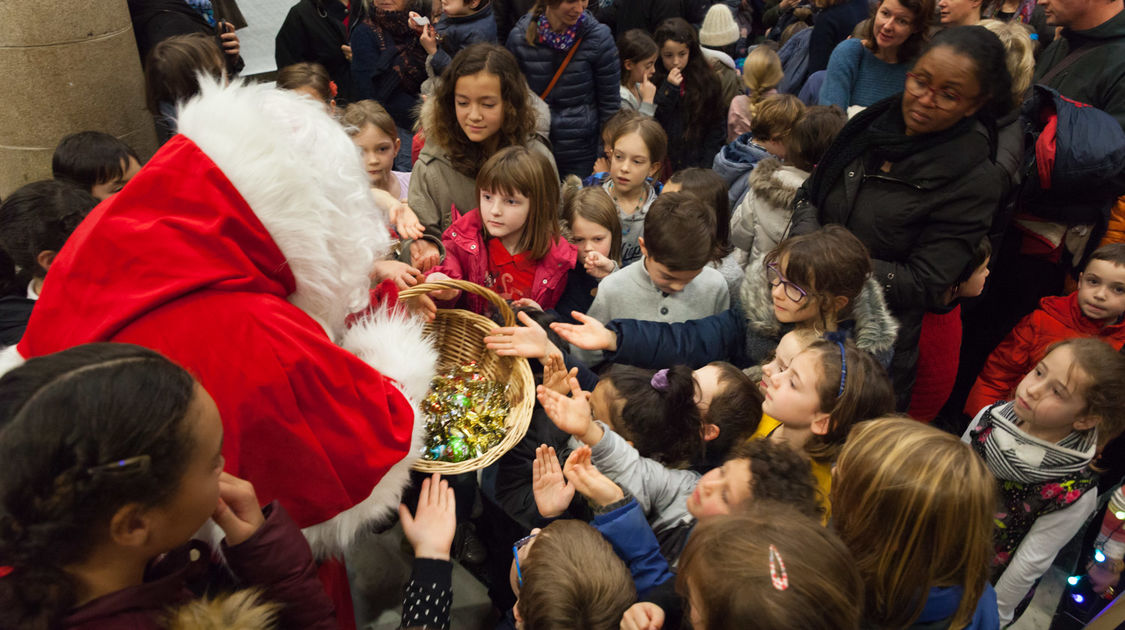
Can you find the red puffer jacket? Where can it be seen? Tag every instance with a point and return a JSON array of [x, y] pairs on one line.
[[466, 258], [1058, 317]]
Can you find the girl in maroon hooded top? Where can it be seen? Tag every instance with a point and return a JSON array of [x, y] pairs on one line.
[[112, 461]]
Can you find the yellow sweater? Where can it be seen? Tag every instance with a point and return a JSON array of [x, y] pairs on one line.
[[821, 471]]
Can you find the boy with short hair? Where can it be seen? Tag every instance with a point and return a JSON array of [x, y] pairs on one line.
[[97, 162], [673, 282], [569, 577], [1094, 310]]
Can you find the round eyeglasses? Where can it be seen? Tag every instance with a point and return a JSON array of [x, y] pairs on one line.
[[775, 278]]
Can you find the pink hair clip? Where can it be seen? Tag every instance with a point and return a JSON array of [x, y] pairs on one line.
[[332, 88], [778, 575]]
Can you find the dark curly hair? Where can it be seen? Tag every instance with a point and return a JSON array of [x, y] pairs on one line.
[[519, 114], [779, 474], [62, 417]]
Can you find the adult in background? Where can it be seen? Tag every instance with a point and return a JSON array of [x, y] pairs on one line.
[[314, 31], [1086, 63], [914, 177], [570, 60], [625, 15], [482, 104], [834, 22], [868, 69], [960, 12], [156, 20], [388, 64]]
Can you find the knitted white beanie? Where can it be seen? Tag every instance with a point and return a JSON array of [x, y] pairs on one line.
[[719, 28]]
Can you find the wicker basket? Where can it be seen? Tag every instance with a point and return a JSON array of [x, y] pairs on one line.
[[460, 339]]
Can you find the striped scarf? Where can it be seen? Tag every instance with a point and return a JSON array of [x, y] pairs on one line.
[[1013, 455]]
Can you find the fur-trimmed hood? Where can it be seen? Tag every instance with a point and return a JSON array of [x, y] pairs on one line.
[[246, 609], [776, 183], [759, 222], [874, 330]]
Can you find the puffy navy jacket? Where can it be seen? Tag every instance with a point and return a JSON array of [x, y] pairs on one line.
[[586, 95]]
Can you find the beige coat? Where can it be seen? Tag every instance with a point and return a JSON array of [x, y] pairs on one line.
[[435, 185]]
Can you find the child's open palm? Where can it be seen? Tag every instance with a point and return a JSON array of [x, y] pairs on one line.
[[588, 334], [430, 531], [571, 415], [528, 341], [589, 481], [555, 376], [552, 493]]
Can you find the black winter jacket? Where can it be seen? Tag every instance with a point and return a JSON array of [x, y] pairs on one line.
[[156, 20], [921, 221], [306, 35], [586, 95], [624, 15], [1098, 78]]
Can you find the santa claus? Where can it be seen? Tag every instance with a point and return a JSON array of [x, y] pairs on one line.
[[239, 251]]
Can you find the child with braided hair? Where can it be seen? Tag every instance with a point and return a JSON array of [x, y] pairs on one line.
[[113, 460]]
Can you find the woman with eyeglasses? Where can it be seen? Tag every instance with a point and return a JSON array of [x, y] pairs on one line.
[[914, 177]]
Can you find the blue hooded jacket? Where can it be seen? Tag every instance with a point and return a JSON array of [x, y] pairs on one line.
[[734, 163]]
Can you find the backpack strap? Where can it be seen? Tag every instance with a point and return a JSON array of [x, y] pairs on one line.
[[558, 73], [1067, 61]]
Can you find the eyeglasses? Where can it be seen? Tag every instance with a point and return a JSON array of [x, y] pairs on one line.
[[943, 99], [775, 278], [520, 544]]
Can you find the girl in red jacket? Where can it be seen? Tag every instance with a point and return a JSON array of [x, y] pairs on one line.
[[512, 243], [112, 462]]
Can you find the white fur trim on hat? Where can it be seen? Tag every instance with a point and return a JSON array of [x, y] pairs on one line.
[[304, 179], [719, 28], [10, 359]]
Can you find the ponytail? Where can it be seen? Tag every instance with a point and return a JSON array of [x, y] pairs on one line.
[[660, 416], [64, 417]]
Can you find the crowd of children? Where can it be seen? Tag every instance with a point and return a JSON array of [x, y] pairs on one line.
[[744, 313]]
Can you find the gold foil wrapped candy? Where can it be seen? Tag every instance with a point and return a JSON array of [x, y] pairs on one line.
[[465, 414]]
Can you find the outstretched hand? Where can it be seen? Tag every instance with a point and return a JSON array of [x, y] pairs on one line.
[[430, 531], [406, 222], [548, 484], [555, 376], [588, 334], [571, 415], [528, 341], [589, 481]]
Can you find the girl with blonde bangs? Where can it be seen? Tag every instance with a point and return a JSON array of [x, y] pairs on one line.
[[915, 507]]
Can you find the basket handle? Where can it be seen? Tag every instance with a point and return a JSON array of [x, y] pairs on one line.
[[500, 303]]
